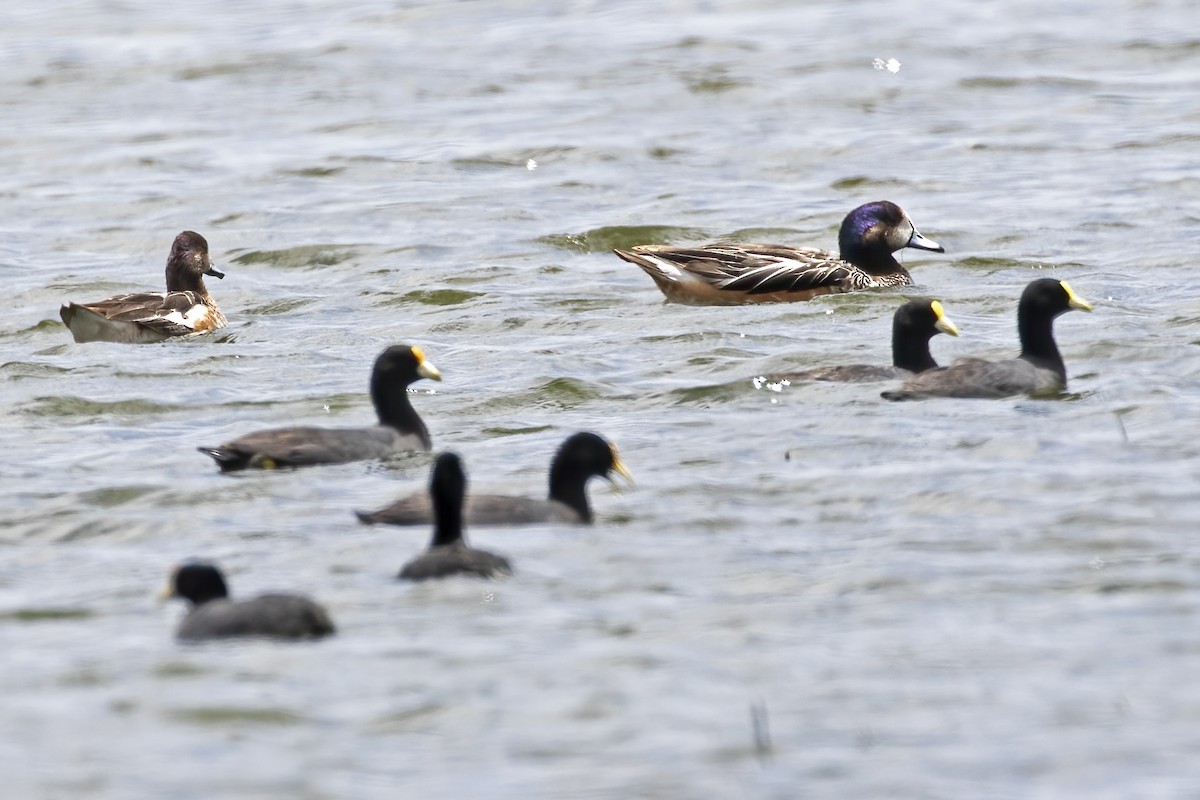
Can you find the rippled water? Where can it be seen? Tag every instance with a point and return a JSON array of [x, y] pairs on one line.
[[940, 599]]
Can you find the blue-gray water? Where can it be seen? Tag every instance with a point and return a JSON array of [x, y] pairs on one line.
[[940, 600]]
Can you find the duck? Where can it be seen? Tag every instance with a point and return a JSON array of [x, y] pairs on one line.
[[734, 274], [448, 552], [186, 307], [913, 325], [1039, 369], [581, 457], [399, 429], [214, 616]]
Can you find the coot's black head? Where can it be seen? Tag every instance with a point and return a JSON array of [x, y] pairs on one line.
[[404, 364], [585, 455], [925, 318], [1047, 298], [397, 368], [197, 583], [872, 232], [1042, 301]]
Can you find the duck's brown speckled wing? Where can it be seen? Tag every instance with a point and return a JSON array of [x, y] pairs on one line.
[[140, 306], [760, 268], [165, 313]]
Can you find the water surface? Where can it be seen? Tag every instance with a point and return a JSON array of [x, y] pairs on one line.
[[939, 599]]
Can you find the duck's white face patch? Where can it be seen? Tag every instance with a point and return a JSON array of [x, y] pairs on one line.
[[899, 236]]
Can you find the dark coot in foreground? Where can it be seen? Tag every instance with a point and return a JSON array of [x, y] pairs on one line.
[[448, 553], [214, 616]]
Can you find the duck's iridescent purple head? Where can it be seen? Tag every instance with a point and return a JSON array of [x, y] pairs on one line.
[[873, 231]]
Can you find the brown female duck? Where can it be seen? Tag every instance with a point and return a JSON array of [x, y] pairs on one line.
[[185, 308]]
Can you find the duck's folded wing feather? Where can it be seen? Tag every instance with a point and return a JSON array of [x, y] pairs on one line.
[[761, 268], [165, 313], [143, 306], [790, 276]]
